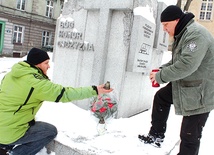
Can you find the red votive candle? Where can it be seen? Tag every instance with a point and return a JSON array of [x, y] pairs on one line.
[[155, 84]]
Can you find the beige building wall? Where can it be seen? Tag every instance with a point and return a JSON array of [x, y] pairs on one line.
[[195, 8], [33, 21]]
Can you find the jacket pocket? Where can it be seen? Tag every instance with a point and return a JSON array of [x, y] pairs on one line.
[[192, 95]]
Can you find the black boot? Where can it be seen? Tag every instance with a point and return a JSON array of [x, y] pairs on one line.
[[5, 149], [3, 152], [151, 139]]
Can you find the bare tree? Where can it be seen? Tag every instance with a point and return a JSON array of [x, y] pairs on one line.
[[186, 6], [179, 3]]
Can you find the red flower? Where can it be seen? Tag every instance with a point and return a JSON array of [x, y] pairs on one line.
[[103, 109], [108, 99], [110, 105], [93, 109]]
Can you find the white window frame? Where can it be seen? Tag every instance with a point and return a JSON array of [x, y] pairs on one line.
[[20, 5], [18, 35], [206, 10], [49, 8], [46, 39]]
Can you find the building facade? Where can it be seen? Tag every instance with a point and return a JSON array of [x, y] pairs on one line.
[[203, 11], [27, 23]]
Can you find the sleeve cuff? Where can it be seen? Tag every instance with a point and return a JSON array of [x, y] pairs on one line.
[[95, 88]]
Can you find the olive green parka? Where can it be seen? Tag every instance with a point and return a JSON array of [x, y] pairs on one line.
[[22, 92], [191, 70]]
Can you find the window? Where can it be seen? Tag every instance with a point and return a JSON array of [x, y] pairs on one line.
[[18, 34], [21, 4], [49, 9], [206, 10], [46, 38]]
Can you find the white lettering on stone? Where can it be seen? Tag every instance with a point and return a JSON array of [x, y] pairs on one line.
[[72, 39], [82, 46]]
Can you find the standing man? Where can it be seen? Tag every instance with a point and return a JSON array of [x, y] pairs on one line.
[[190, 74], [22, 92]]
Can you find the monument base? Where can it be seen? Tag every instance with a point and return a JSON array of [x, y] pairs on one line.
[[61, 149]]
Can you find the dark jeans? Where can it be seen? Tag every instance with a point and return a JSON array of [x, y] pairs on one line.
[[191, 127], [36, 137]]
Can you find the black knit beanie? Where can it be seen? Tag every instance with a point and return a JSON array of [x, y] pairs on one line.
[[171, 13], [36, 56]]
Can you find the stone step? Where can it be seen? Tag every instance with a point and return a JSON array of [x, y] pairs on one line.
[[61, 149]]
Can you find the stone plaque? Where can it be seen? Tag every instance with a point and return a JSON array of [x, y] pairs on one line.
[[141, 46], [162, 40], [161, 37]]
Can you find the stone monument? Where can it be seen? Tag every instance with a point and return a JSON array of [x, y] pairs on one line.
[[110, 40]]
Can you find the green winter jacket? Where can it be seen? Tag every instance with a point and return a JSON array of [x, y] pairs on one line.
[[191, 71], [22, 92]]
